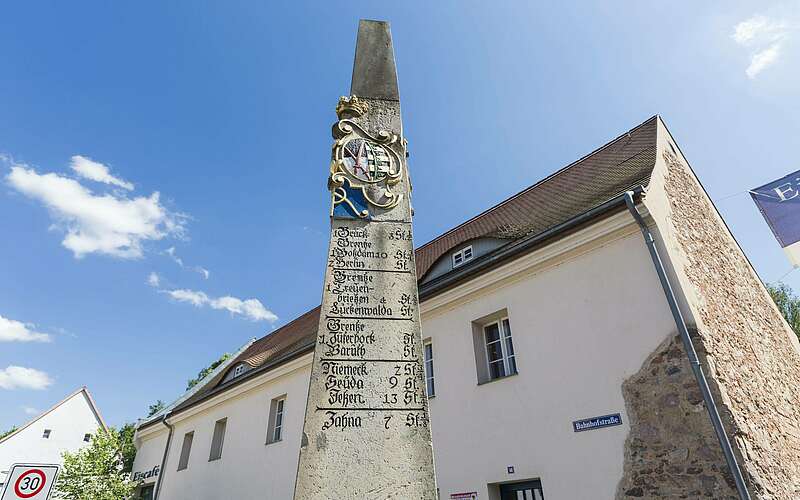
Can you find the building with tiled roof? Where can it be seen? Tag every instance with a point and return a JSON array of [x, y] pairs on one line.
[[558, 355], [621, 165]]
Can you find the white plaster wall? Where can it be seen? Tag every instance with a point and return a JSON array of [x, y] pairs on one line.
[[580, 327], [150, 451], [68, 423], [249, 468]]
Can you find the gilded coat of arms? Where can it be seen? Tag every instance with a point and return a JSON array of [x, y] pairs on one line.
[[364, 168]]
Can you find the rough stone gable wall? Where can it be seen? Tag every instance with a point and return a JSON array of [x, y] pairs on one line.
[[752, 359], [671, 450]]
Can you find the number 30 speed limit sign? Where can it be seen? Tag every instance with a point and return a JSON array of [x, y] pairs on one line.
[[30, 482]]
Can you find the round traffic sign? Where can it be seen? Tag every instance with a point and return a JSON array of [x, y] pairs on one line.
[[29, 483]]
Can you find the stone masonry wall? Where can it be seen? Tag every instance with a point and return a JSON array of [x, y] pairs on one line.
[[671, 450], [751, 356]]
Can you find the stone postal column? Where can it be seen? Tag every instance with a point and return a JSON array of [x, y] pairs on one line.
[[366, 434]]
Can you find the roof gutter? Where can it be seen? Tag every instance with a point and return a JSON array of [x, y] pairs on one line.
[[171, 428], [431, 288], [688, 345]]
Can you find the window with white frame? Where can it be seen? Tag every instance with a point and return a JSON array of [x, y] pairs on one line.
[[46, 434], [278, 430], [429, 385], [462, 256], [499, 349], [275, 426], [235, 371]]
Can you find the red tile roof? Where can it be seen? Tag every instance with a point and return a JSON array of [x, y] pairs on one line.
[[623, 163]]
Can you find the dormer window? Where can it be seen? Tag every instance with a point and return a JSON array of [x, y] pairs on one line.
[[462, 256], [235, 372]]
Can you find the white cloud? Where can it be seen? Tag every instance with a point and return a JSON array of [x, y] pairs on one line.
[[108, 224], [195, 298], [252, 309], [171, 252], [18, 377], [763, 37], [92, 170], [763, 59], [758, 28], [154, 280], [17, 331], [174, 256], [30, 410]]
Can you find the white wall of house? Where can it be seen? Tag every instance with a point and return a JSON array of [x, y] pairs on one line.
[[585, 312], [249, 468], [582, 323], [149, 452], [68, 423]]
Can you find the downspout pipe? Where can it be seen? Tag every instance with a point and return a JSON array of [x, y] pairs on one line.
[[171, 428], [688, 345]]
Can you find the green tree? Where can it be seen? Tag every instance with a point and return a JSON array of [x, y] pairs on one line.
[[788, 303], [6, 433], [205, 371], [97, 471], [127, 447], [155, 408]]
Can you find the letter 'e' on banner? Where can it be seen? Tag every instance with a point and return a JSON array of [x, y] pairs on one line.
[[779, 203]]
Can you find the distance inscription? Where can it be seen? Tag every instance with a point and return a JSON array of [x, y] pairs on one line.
[[379, 247], [368, 358]]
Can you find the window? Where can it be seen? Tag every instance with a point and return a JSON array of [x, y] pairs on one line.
[[499, 349], [217, 439], [186, 448], [87, 437], [529, 490], [494, 350], [275, 427], [429, 386], [146, 492], [46, 434], [236, 371], [462, 256]]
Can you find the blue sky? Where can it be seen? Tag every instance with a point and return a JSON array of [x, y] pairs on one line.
[[224, 110]]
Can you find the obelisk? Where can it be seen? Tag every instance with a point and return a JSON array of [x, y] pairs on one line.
[[366, 434]]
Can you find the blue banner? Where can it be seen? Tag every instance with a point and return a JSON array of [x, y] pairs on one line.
[[779, 203]]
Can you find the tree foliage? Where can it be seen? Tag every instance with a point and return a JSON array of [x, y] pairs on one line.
[[6, 433], [155, 408], [97, 471], [127, 448], [205, 371], [788, 303]]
